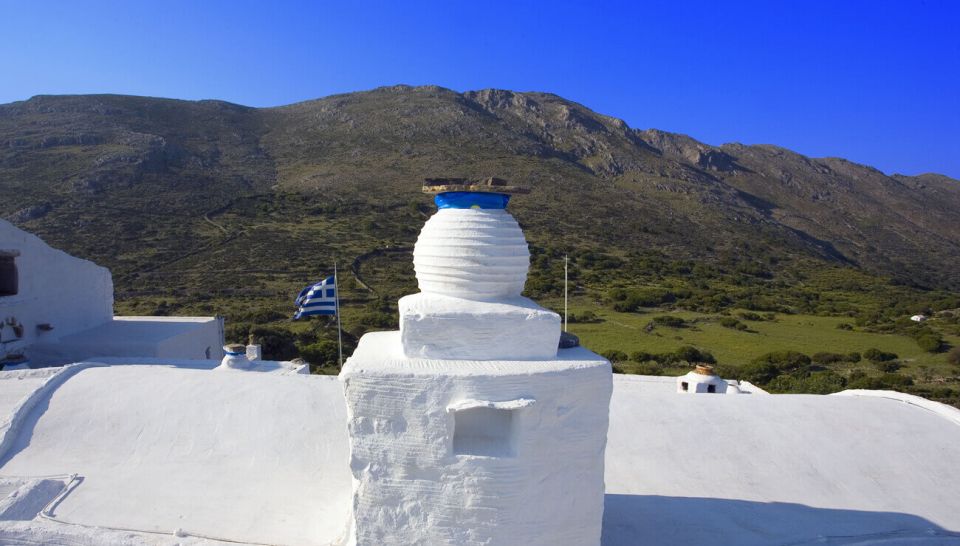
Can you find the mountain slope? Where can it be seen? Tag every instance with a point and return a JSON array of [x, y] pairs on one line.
[[147, 185]]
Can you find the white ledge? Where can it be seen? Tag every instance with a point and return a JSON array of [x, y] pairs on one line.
[[504, 405]]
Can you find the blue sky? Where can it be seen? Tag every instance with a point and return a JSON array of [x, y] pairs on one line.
[[876, 82]]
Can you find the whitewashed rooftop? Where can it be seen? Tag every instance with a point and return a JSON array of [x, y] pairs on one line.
[[153, 454]]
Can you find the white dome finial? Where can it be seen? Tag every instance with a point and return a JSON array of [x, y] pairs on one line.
[[472, 248]]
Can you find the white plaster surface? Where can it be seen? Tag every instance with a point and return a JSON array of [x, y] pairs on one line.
[[55, 288], [443, 327], [471, 253], [475, 452], [778, 469], [234, 456], [859, 468], [151, 337], [259, 366]]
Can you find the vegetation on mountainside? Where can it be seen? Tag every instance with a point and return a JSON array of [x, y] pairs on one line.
[[679, 251]]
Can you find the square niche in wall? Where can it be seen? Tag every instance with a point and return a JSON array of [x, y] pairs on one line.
[[483, 431], [485, 428]]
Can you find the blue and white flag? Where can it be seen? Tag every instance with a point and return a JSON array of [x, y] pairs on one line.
[[317, 299]]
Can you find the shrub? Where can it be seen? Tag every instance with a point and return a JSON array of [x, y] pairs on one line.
[[844, 326], [876, 355], [323, 353], [665, 358], [276, 344], [237, 332], [631, 301], [614, 355], [641, 356], [892, 380], [585, 317], [728, 322], [815, 383], [649, 369], [821, 383], [785, 360], [669, 321], [694, 355], [746, 315], [931, 342], [954, 356], [886, 381], [887, 365], [260, 316], [781, 384], [757, 372], [376, 319], [824, 358], [853, 357]]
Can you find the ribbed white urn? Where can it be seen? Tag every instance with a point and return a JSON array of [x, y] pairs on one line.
[[476, 254]]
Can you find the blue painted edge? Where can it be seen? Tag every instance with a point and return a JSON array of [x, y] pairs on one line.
[[471, 200]]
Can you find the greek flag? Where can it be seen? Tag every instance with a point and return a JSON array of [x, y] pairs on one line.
[[317, 299]]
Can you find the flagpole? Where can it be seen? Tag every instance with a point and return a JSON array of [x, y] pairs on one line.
[[336, 295], [565, 260]]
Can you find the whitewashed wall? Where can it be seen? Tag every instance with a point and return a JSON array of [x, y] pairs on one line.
[[55, 288]]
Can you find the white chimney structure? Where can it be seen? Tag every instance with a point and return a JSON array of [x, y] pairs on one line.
[[703, 380], [469, 426]]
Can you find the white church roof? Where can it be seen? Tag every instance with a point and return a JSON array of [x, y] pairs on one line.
[[150, 451], [258, 458]]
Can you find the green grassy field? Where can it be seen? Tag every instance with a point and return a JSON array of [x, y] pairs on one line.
[[808, 334]]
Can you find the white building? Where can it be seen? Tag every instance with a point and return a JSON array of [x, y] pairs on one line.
[[56, 308], [427, 450]]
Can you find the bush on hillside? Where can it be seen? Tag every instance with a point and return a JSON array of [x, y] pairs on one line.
[[322, 353], [669, 321], [732, 323], [584, 317], [694, 355], [631, 301], [885, 382], [815, 383], [275, 343], [887, 365], [641, 356], [876, 355], [759, 373], [614, 355], [648, 368], [953, 356], [930, 342], [824, 358], [785, 360]]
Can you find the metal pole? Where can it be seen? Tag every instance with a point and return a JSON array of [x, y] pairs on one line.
[[566, 259], [336, 295]]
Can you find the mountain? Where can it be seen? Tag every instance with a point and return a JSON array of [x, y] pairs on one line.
[[207, 194]]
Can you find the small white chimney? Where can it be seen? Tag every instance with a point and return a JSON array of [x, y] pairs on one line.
[[703, 380], [234, 358]]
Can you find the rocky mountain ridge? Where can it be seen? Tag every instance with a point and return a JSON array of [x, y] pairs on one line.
[[93, 174]]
